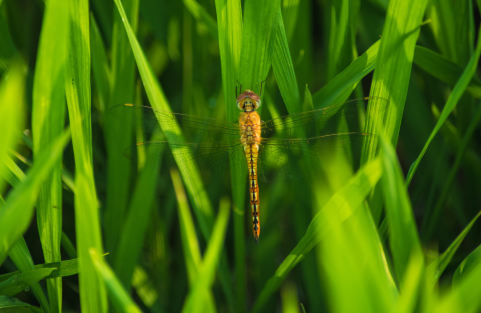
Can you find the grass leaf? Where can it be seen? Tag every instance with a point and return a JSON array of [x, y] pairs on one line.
[[17, 283]]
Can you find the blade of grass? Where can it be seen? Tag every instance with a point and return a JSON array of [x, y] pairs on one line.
[[190, 243], [450, 105], [202, 205], [440, 264], [403, 237], [93, 296], [60, 269], [341, 86], [10, 302], [118, 295], [229, 20], [211, 259], [48, 119], [117, 136], [258, 41], [430, 220], [444, 69], [342, 38], [202, 16], [339, 208], [284, 69], [469, 264], [17, 283], [16, 213]]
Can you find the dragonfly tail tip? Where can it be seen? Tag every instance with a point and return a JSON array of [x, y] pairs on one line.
[[256, 239]]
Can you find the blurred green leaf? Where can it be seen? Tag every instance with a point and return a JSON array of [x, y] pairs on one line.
[[60, 269], [202, 16], [444, 70], [9, 302], [92, 291], [470, 264], [17, 283], [450, 105], [212, 255], [118, 296], [339, 208]]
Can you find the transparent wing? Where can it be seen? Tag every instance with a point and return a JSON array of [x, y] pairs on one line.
[[342, 118], [194, 128], [296, 159], [207, 162]]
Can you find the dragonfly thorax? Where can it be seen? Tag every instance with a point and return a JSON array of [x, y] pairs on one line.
[[248, 101]]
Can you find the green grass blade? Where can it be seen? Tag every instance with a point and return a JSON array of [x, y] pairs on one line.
[[158, 101], [341, 86], [100, 65], [403, 237], [290, 302], [9, 302], [444, 69], [470, 264], [431, 220], [60, 269], [411, 285], [93, 296], [229, 20], [68, 246], [16, 213], [190, 243], [17, 283], [202, 16], [284, 69], [339, 208], [211, 259], [258, 41], [453, 99], [119, 297], [341, 50], [117, 135], [135, 225], [443, 260], [48, 119]]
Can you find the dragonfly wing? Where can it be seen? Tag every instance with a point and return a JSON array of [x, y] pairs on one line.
[[342, 118], [165, 124], [208, 162], [297, 159]]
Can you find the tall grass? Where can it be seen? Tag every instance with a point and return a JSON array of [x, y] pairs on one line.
[[399, 234]]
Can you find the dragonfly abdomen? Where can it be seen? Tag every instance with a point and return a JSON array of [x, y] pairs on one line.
[[252, 152]]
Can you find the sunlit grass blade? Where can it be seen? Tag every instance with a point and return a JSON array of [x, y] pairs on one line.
[[117, 135], [17, 283], [48, 120], [411, 285], [158, 101], [345, 275], [92, 291], [453, 99], [341, 50], [341, 86], [190, 243], [16, 213], [340, 207], [470, 264], [284, 70], [403, 236], [7, 49], [444, 69], [258, 41], [10, 302], [229, 23], [205, 278], [118, 296], [290, 302], [443, 260]]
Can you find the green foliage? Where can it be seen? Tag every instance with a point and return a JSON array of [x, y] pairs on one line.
[[152, 239]]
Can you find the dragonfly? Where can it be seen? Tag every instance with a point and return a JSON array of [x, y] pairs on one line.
[[287, 148]]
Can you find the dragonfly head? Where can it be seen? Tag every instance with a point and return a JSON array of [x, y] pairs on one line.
[[248, 101]]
